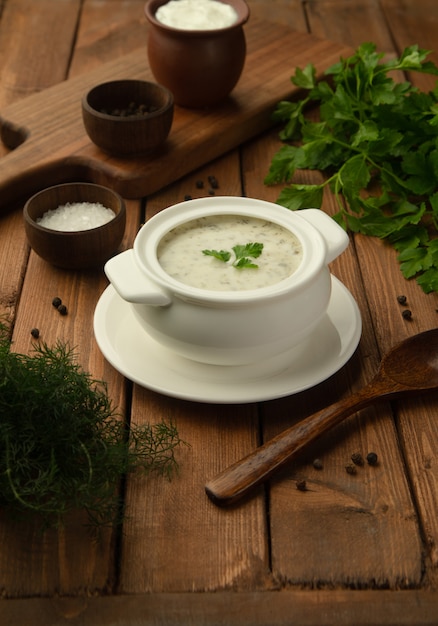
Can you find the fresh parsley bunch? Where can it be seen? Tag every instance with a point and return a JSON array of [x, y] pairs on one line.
[[377, 142]]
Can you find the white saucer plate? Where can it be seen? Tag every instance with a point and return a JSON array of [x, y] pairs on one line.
[[141, 359]]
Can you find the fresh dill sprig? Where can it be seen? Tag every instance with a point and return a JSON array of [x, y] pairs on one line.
[[62, 444]]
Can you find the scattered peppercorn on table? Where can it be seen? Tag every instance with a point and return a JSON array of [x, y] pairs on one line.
[[348, 533]]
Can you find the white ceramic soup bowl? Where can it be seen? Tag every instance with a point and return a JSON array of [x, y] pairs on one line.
[[229, 327]]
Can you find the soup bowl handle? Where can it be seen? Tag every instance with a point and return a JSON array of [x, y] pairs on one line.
[[334, 235], [131, 283]]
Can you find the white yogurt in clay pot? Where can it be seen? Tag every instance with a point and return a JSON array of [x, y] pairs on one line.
[[248, 321], [196, 14]]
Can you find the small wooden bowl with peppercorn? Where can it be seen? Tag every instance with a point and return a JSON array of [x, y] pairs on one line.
[[75, 225], [128, 117]]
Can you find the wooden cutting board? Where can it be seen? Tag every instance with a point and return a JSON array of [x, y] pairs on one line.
[[50, 144]]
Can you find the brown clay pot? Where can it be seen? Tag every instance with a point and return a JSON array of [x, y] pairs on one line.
[[200, 67]]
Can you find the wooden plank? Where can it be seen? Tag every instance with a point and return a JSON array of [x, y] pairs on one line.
[[369, 519], [338, 20], [32, 30], [51, 28], [57, 147], [313, 532], [224, 441], [412, 22], [290, 12], [306, 608], [13, 245], [364, 523], [182, 542], [107, 31], [175, 539], [69, 561]]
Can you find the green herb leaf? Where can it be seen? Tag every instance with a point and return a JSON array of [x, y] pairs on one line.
[[285, 162], [221, 255], [354, 174], [414, 260], [241, 253], [244, 262], [372, 134], [250, 249], [301, 196], [305, 78]]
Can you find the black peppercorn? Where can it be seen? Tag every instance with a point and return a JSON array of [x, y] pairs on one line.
[[199, 184], [407, 314], [301, 485], [317, 464], [213, 182], [402, 299], [350, 469], [187, 197], [132, 109], [35, 333], [62, 309], [357, 458], [56, 302], [372, 458]]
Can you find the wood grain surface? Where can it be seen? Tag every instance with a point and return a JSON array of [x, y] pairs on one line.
[[352, 549], [50, 144]]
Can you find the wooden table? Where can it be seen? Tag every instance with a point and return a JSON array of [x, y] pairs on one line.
[[357, 549]]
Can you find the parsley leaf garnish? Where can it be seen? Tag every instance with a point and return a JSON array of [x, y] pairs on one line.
[[221, 255], [243, 255], [372, 134]]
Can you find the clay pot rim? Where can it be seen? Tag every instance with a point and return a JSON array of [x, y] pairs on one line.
[[240, 6]]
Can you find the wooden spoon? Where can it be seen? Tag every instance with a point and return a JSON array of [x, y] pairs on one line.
[[409, 367]]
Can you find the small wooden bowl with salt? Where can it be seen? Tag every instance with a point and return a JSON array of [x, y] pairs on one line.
[[75, 225]]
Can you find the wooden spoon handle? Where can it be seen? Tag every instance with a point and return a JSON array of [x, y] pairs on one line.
[[234, 482]]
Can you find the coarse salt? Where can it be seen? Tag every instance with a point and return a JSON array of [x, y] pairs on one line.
[[75, 216], [196, 14]]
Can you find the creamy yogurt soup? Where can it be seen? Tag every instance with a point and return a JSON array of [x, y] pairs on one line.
[[196, 14], [181, 253]]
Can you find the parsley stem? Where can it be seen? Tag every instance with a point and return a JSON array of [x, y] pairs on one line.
[[368, 159]]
